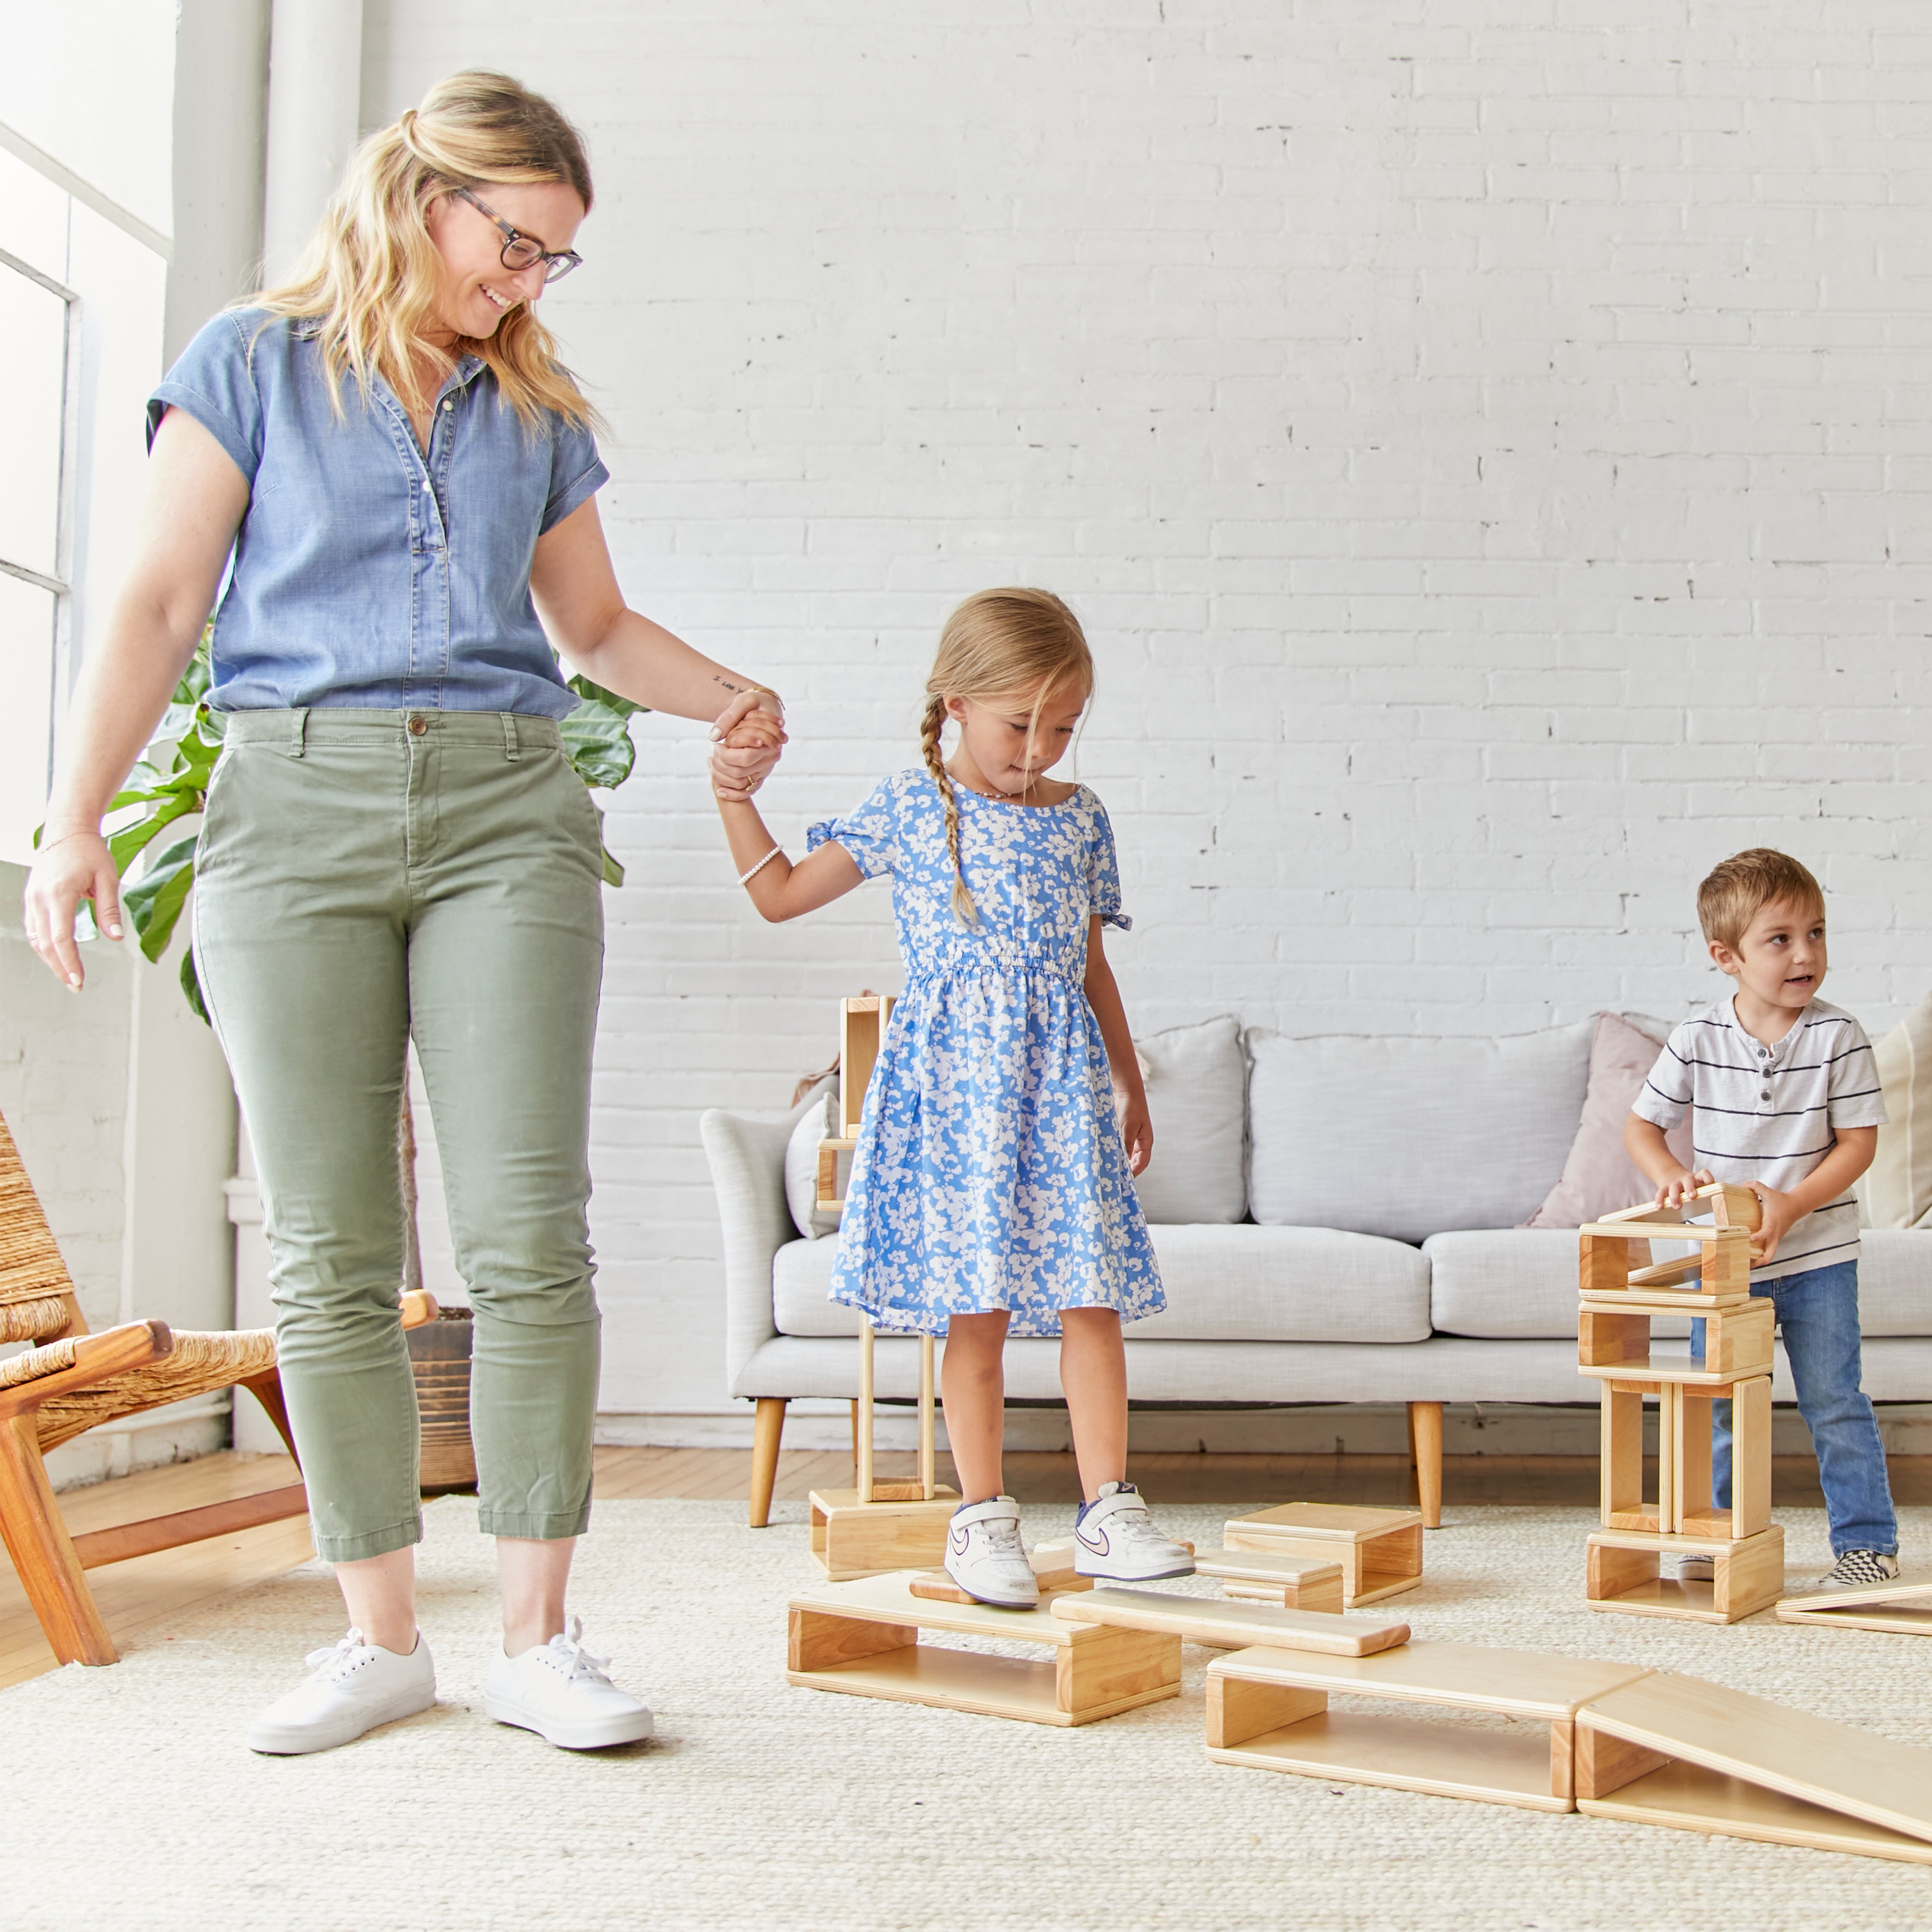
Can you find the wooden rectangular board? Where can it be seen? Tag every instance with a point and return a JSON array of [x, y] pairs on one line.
[[1266, 1566], [1213, 1620], [1902, 1586], [1894, 1619], [1322, 1591], [1689, 1370], [888, 1600], [1857, 1774]]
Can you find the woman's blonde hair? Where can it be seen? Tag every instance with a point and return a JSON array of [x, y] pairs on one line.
[[996, 644], [370, 277]]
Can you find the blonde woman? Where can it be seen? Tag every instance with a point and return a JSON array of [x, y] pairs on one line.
[[991, 1188], [395, 846]]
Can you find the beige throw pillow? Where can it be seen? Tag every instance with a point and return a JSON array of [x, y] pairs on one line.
[[1896, 1189], [818, 1122], [1599, 1178]]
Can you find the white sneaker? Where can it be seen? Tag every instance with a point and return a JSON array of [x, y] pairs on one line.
[[355, 1687], [1696, 1569], [985, 1558], [1115, 1539], [559, 1691]]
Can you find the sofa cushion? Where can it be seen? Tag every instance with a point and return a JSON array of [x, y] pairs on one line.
[[1896, 1189], [1230, 1284], [817, 1123], [1197, 1088], [1509, 1284], [1406, 1137], [1895, 1281]]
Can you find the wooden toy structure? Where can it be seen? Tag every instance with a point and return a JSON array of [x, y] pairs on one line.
[[862, 1021], [1622, 1292], [1875, 1606], [1274, 1577], [1380, 1550]]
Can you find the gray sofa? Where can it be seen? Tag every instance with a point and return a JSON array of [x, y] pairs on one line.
[[1337, 1221]]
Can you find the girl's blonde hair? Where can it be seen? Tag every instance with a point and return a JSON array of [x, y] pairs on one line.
[[997, 643], [370, 276]]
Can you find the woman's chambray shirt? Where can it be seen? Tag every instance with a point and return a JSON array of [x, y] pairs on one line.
[[366, 573]]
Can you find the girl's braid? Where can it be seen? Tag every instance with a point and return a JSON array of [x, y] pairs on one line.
[[963, 910]]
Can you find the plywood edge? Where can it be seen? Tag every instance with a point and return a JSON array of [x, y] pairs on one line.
[[1873, 1593], [1214, 1621], [1900, 1621]]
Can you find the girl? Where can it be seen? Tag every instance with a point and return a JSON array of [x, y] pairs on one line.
[[991, 1190], [396, 848]]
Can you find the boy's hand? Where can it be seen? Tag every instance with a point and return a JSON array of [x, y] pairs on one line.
[[1776, 1213], [1675, 1191]]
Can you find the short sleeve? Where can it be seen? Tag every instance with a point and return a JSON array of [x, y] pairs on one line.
[[576, 472], [1103, 874], [870, 835], [213, 382], [1853, 1094], [1667, 1090]]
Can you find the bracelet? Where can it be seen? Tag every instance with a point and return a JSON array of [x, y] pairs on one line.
[[768, 692], [745, 878]]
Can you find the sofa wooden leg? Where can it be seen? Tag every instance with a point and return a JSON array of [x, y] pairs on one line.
[[1425, 1436], [766, 1432]]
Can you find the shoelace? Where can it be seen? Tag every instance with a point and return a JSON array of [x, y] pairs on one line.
[[1003, 1536], [1134, 1525], [330, 1663], [566, 1654]]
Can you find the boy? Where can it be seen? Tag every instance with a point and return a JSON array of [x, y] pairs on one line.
[[1784, 1096]]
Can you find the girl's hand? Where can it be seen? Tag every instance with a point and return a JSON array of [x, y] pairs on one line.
[[746, 743], [74, 867], [1137, 1130]]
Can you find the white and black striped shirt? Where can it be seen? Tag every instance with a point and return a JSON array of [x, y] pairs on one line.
[[1771, 1113]]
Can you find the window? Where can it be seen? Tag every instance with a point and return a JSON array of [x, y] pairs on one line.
[[33, 320]]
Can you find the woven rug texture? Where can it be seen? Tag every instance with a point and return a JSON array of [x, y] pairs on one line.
[[132, 1801]]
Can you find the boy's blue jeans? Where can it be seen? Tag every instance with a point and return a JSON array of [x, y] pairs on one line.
[[1818, 1316]]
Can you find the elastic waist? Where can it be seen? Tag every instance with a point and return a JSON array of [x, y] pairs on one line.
[[510, 732]]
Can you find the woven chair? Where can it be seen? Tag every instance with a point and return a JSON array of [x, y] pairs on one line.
[[70, 1381]]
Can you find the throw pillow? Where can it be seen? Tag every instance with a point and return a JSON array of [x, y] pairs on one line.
[[1896, 1189], [1197, 1088], [1598, 1177], [801, 1167]]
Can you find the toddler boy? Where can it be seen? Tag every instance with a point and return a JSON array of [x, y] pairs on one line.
[[1784, 1096]]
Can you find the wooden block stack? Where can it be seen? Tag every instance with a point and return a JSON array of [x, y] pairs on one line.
[[1621, 1293], [1380, 1550]]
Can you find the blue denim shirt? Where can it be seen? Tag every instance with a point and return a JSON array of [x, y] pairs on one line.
[[366, 573]]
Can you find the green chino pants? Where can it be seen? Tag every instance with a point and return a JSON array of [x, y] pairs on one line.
[[365, 877]]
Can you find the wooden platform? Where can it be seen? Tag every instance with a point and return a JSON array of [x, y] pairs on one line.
[[1624, 1572], [1219, 1624], [1876, 1607]]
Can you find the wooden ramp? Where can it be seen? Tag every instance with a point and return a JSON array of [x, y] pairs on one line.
[[1879, 1607], [1215, 1621], [1638, 1748]]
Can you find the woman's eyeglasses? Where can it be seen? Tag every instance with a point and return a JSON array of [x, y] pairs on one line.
[[524, 251]]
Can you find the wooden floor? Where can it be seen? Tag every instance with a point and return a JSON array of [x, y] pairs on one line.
[[136, 1595]]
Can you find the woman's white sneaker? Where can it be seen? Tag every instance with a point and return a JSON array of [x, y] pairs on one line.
[[559, 1691], [1115, 1539], [985, 1558], [354, 1687]]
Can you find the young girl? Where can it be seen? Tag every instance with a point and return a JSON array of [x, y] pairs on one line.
[[991, 1190]]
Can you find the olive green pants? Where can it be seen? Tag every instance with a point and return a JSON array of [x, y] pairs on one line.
[[366, 877]]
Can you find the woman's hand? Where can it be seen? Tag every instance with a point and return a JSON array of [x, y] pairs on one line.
[[77, 866], [747, 741]]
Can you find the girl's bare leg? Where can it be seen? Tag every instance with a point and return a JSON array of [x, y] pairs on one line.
[[1093, 1378], [972, 1389]]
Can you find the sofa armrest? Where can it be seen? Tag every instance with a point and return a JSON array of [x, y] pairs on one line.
[[747, 1158]]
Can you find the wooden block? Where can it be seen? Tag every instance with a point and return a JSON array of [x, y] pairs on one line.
[[1213, 1620], [1605, 1764], [1603, 1263], [1380, 1550], [1669, 1301], [862, 1030], [1088, 1672], [1856, 1773], [1620, 1465], [1613, 1572], [1624, 1574], [1750, 1511], [1452, 1761], [1239, 1709], [1688, 1370], [1902, 1586], [1877, 1607], [1273, 1576], [852, 1539], [1686, 1419], [1750, 1575], [1611, 1339], [1737, 1341]]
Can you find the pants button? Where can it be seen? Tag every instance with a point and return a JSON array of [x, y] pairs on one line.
[[418, 724]]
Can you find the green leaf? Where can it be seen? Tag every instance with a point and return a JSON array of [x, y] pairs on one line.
[[596, 694], [190, 985], [125, 844], [613, 873], [200, 673], [597, 742], [154, 905]]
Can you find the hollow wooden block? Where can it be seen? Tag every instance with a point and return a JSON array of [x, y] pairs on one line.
[[1273, 1576], [861, 1028], [852, 1539], [1621, 1462], [1380, 1550], [1612, 1338], [1603, 1263], [1238, 1710], [1737, 1341], [864, 1639], [1624, 1574], [1750, 1511]]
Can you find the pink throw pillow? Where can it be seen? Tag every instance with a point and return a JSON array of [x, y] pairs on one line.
[[1598, 1177]]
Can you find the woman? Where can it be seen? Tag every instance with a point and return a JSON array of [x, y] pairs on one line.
[[396, 847]]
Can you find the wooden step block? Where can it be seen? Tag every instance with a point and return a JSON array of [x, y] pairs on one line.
[[1053, 1571], [1875, 1606], [852, 1539], [1214, 1621], [1737, 1344], [1625, 1572], [1380, 1550], [863, 1638], [1853, 1773], [1273, 1576], [1269, 1708]]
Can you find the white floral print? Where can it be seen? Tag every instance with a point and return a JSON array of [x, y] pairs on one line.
[[990, 1172]]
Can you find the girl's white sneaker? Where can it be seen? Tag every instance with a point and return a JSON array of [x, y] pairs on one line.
[[559, 1691], [355, 1687], [985, 1558], [1115, 1539]]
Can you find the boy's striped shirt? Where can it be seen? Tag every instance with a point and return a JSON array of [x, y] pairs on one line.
[[1770, 1113]]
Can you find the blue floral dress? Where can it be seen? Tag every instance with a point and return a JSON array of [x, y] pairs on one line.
[[990, 1172]]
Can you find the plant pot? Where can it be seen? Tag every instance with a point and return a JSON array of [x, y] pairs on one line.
[[439, 1358]]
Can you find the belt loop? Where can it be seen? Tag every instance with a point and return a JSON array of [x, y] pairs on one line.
[[513, 747], [298, 732]]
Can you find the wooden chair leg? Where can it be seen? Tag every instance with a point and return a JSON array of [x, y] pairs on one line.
[[1425, 1430], [766, 1432], [267, 1390], [43, 1553]]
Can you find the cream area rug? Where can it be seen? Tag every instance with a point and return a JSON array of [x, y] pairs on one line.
[[130, 1801]]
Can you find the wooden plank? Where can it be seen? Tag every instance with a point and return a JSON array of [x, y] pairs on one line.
[[1331, 1521], [1211, 1620], [192, 1526], [1915, 1584], [1895, 1619], [964, 1680], [1856, 1773], [1266, 1566], [889, 1599], [1688, 1370]]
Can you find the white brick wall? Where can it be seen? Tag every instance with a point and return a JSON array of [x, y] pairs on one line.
[[1487, 442]]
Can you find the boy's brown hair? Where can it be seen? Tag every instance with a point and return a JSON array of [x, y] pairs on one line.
[[1743, 886]]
